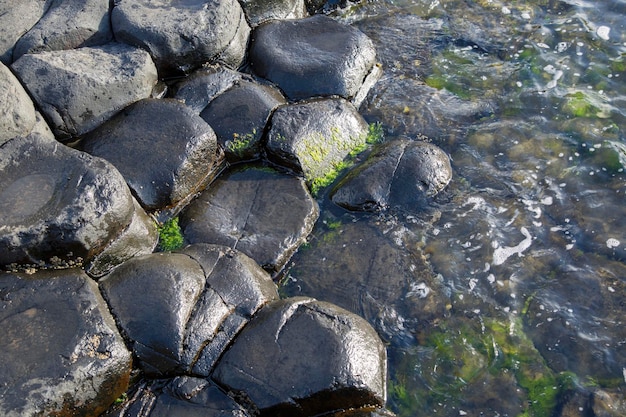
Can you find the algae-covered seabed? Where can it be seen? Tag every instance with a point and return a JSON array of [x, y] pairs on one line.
[[506, 294]]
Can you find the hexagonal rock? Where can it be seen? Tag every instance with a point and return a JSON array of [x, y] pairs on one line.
[[181, 310], [236, 289], [302, 357], [57, 205], [314, 137], [16, 18], [68, 25], [400, 173], [17, 113], [178, 150], [260, 212], [152, 298], [79, 89], [181, 36], [239, 116], [200, 87], [181, 396], [61, 351], [259, 11], [298, 56]]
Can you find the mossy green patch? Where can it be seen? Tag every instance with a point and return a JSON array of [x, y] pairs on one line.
[[317, 150], [241, 143], [170, 235], [579, 105]]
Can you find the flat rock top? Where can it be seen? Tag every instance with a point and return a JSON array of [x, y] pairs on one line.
[[260, 212], [298, 56]]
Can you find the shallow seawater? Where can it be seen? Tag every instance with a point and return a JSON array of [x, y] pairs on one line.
[[506, 295]]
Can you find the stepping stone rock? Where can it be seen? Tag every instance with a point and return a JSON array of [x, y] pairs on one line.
[[152, 298], [192, 304], [400, 173], [314, 137], [302, 357], [178, 150], [61, 351], [16, 18], [202, 86], [79, 89], [236, 289], [259, 11], [68, 25], [239, 116], [57, 205], [17, 113], [298, 56], [260, 212], [181, 36], [182, 397]]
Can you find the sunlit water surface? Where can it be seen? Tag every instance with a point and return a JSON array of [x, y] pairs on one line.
[[506, 295]]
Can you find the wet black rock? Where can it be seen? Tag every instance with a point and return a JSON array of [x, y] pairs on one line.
[[152, 298], [178, 150], [239, 116], [78, 89], [260, 212], [139, 238], [400, 173], [191, 305], [16, 18], [200, 87], [57, 205], [298, 56], [313, 137], [181, 36], [180, 397], [302, 357], [61, 351], [259, 11], [17, 113], [67, 25], [236, 288]]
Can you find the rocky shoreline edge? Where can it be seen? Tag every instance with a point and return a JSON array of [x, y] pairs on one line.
[[228, 118]]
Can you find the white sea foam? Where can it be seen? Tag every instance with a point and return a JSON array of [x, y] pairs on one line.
[[603, 32], [501, 254]]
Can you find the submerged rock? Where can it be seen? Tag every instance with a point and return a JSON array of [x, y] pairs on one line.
[[260, 212], [408, 107], [298, 56], [181, 36], [58, 205], [61, 351], [178, 150], [302, 357], [314, 137], [79, 89], [17, 113], [239, 116], [401, 173], [67, 25]]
